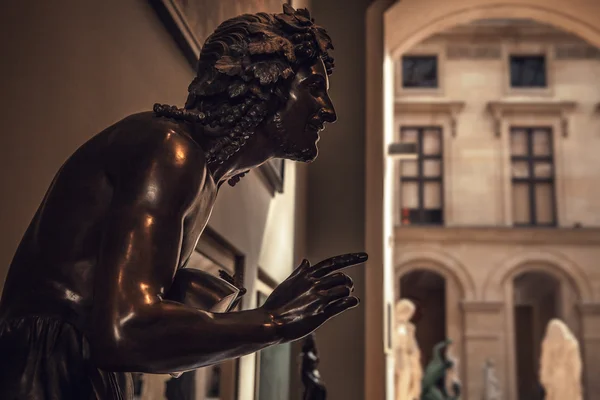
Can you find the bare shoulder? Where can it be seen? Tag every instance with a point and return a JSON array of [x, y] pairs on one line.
[[157, 151], [145, 137]]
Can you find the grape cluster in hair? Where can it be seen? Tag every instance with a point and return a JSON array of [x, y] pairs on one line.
[[244, 74]]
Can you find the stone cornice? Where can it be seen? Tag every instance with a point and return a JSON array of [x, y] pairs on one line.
[[573, 236], [500, 109], [445, 107], [589, 308]]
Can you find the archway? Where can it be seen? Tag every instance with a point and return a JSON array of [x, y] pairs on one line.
[[528, 308], [427, 290], [536, 300], [438, 284], [414, 20]]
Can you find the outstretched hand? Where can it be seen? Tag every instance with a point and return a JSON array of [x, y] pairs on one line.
[[311, 295]]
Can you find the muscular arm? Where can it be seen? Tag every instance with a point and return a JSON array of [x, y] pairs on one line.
[[133, 327]]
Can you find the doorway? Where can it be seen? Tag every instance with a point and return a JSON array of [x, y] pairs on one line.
[[427, 290], [537, 299]]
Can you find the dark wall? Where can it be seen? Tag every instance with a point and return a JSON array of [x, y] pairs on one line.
[[336, 205], [68, 69]]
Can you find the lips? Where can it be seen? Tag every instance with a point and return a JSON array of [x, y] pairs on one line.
[[316, 125]]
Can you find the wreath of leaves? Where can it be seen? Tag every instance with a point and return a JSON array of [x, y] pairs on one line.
[[244, 72]]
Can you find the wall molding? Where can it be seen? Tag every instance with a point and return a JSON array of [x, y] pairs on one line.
[[559, 109], [500, 235], [589, 308], [450, 108], [468, 51], [576, 51]]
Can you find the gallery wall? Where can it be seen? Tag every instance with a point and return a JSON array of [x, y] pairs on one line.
[[336, 203], [69, 69]]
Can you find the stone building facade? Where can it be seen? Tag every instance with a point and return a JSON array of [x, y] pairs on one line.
[[496, 224]]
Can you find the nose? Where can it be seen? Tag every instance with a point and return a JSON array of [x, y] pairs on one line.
[[327, 113]]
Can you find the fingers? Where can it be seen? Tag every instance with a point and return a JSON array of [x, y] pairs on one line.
[[304, 265], [340, 305], [331, 281], [338, 292], [332, 264]]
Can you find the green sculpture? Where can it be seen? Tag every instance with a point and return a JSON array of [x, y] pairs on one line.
[[434, 378]]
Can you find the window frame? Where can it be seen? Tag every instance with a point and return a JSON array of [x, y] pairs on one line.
[[530, 56], [525, 49], [420, 179], [421, 57], [531, 180], [424, 49]]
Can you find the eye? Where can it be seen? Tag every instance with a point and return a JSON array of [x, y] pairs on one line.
[[315, 87]]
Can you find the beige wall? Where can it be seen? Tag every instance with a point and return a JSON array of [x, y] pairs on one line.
[[477, 189], [72, 68], [401, 26], [476, 162], [484, 263], [335, 219]]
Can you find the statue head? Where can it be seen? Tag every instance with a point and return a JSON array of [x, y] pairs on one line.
[[405, 309], [262, 74], [557, 330]]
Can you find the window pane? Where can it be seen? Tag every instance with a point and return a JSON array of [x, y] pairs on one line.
[[528, 71], [520, 169], [432, 141], [432, 192], [419, 72], [520, 195], [409, 136], [541, 142], [432, 168], [544, 204], [542, 169], [409, 168], [518, 142], [432, 217], [410, 195]]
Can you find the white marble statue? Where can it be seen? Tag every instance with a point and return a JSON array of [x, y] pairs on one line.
[[491, 386], [407, 354], [560, 364]]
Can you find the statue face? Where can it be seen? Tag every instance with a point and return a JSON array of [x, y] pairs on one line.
[[294, 130], [404, 311]]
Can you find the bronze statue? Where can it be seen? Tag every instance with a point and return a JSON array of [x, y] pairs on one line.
[[314, 388], [98, 286], [434, 378]]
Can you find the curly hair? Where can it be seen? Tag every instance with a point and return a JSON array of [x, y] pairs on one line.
[[244, 74]]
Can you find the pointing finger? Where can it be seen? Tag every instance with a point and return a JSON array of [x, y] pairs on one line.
[[340, 305], [332, 264]]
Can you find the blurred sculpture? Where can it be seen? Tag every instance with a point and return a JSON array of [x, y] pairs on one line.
[[314, 388], [452, 380], [434, 379], [408, 370], [560, 364], [491, 386]]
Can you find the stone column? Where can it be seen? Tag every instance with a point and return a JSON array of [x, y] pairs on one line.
[[455, 325], [590, 348], [483, 339]]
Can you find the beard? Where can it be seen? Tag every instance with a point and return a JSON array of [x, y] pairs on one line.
[[289, 148]]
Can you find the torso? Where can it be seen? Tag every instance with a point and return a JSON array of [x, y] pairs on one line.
[[53, 269]]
